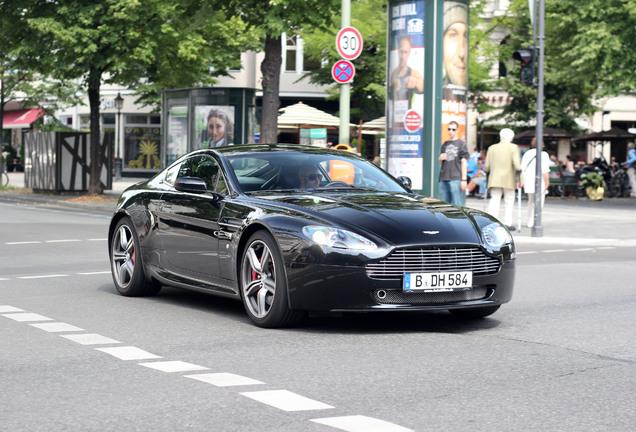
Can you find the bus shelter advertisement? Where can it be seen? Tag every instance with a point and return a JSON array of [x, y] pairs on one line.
[[406, 85]]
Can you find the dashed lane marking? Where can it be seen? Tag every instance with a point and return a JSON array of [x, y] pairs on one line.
[[90, 339], [5, 309], [43, 276], [128, 353], [281, 399], [22, 243], [93, 273], [26, 317], [57, 327], [286, 400], [358, 423], [224, 379], [173, 366]]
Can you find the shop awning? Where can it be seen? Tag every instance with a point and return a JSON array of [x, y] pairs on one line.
[[20, 119]]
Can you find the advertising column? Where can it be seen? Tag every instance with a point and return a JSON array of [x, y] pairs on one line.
[[405, 101]]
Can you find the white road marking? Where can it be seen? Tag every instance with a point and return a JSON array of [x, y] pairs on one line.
[[90, 339], [555, 250], [359, 423], [7, 308], [100, 239], [43, 276], [4, 279], [22, 243], [26, 317], [224, 379], [128, 353], [63, 241], [173, 366], [57, 327], [286, 400], [527, 253], [93, 273]]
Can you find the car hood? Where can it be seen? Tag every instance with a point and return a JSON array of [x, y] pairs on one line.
[[398, 218]]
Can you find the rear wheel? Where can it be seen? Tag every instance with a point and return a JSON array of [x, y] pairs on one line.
[[474, 313], [5, 179], [126, 262], [264, 284]]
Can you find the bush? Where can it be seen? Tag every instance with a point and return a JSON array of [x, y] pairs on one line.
[[592, 179]]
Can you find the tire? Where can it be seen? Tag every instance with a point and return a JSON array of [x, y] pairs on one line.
[[264, 284], [474, 313], [5, 179], [126, 262]]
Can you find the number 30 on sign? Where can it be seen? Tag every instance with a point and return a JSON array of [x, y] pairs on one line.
[[349, 43]]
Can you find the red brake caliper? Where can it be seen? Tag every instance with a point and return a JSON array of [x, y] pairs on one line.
[[255, 275]]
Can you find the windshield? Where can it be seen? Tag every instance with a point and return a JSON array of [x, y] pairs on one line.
[[288, 170]]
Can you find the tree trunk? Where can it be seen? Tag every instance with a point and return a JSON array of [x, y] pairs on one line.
[[97, 153], [270, 68]]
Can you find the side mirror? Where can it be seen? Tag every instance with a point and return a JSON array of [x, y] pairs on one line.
[[191, 184], [406, 181]]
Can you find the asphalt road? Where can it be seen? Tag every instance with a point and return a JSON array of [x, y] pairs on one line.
[[77, 356]]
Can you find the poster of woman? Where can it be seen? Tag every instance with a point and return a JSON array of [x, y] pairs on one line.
[[215, 125]]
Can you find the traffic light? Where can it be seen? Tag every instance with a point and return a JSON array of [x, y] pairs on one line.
[[526, 57]]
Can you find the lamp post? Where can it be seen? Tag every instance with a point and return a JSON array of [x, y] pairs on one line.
[[119, 103]]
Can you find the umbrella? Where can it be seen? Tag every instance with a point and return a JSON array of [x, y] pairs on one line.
[[612, 135], [374, 127], [548, 132], [301, 116]]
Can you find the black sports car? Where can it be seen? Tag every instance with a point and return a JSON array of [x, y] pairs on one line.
[[290, 229]]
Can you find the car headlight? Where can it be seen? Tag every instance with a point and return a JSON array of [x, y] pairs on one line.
[[337, 238], [496, 235]]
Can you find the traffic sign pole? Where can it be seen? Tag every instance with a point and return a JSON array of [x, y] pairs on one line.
[[345, 89]]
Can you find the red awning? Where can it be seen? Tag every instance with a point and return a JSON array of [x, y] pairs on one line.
[[20, 118]]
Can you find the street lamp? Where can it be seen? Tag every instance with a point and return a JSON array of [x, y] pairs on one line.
[[119, 103]]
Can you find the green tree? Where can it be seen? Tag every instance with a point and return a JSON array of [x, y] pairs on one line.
[[368, 88], [588, 54], [268, 20], [158, 43]]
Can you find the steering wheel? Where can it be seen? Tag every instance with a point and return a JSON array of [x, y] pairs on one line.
[[337, 183]]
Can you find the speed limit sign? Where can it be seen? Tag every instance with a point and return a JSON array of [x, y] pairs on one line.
[[349, 43]]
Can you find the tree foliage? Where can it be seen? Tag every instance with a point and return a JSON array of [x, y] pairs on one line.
[[368, 86], [588, 55], [268, 19], [158, 43]]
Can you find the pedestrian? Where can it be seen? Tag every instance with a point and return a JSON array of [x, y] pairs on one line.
[[631, 168], [453, 159], [528, 174], [502, 165]]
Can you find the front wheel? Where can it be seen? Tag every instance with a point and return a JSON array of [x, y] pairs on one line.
[[5, 179], [126, 262], [264, 284], [474, 313]]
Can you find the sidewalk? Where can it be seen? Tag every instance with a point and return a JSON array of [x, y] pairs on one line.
[[575, 222]]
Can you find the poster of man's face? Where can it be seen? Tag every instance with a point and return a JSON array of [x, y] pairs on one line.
[[455, 68]]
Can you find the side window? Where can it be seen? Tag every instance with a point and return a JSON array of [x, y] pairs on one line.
[[221, 185], [171, 174], [203, 167]]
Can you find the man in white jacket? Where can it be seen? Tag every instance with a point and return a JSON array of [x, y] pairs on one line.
[[528, 171]]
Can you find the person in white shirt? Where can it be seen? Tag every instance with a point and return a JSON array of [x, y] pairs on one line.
[[528, 171]]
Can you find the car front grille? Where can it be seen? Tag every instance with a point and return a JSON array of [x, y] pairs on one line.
[[419, 298], [436, 259]]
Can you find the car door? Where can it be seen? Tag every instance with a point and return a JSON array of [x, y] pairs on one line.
[[189, 222]]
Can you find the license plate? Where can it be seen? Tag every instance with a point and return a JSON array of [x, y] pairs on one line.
[[435, 282]]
